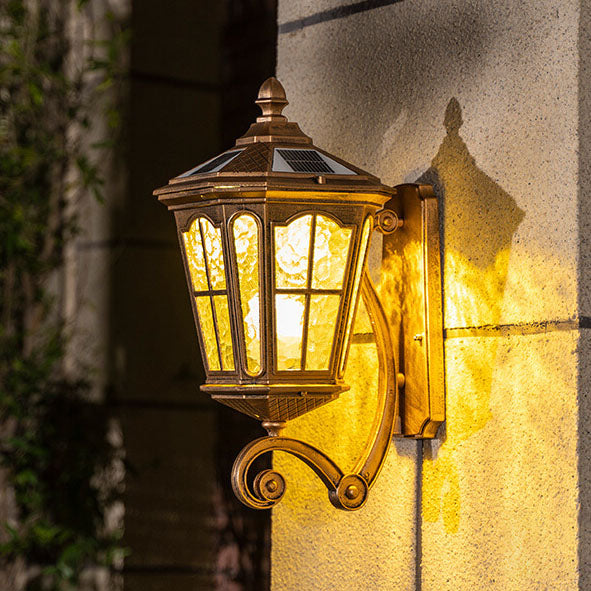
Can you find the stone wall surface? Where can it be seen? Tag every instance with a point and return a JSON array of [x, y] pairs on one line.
[[487, 101]]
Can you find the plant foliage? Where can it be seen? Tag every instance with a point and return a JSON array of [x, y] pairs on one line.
[[54, 444]]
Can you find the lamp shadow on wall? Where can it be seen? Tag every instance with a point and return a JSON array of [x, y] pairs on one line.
[[478, 222]]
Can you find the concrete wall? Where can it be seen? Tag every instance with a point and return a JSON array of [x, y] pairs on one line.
[[488, 101]]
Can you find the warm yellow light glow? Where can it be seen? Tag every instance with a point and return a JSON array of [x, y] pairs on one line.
[[296, 271], [358, 269], [289, 310], [194, 250], [475, 293], [331, 249], [321, 327], [246, 243], [208, 332], [212, 238], [292, 249], [205, 258], [224, 331]]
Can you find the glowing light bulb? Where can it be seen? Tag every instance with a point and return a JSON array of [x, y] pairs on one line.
[[290, 325]]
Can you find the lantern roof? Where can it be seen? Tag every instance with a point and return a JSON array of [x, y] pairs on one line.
[[273, 155]]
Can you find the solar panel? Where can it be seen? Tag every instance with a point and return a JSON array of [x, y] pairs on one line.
[[217, 162], [305, 161]]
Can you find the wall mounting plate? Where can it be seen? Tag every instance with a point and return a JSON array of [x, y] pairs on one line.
[[412, 264]]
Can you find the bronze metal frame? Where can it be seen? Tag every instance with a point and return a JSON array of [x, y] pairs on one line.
[[416, 308], [407, 325]]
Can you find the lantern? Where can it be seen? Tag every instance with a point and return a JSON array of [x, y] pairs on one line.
[[274, 234]]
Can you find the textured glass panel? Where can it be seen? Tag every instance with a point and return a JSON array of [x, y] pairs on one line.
[[246, 241], [331, 247], [208, 332], [215, 255], [358, 270], [292, 245], [289, 314], [194, 250], [321, 326], [224, 331]]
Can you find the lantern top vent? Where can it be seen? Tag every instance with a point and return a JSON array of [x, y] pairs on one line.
[[273, 155]]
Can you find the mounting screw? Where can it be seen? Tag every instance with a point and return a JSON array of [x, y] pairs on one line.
[[271, 486], [352, 492], [400, 380]]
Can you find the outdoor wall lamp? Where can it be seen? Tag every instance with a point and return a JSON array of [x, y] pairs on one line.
[[274, 235]]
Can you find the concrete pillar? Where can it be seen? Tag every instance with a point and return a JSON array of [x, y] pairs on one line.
[[490, 102], [168, 429]]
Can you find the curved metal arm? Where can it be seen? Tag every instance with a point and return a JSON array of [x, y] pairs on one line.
[[371, 464], [346, 491], [269, 485]]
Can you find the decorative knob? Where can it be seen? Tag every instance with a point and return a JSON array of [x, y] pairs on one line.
[[271, 100]]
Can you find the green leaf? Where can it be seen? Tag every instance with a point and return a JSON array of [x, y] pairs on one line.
[[36, 94]]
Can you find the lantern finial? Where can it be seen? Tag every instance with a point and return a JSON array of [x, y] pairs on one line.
[[271, 100]]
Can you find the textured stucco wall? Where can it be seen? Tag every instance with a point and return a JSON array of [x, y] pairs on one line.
[[487, 101]]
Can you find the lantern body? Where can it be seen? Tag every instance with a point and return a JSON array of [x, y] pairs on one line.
[[274, 234], [274, 286]]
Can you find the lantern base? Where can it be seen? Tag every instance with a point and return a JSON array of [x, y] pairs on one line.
[[277, 402]]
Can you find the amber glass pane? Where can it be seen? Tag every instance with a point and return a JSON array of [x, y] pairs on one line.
[[194, 250], [321, 326], [289, 315], [224, 331], [246, 242], [357, 279], [212, 238], [208, 332], [331, 248], [292, 245]]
